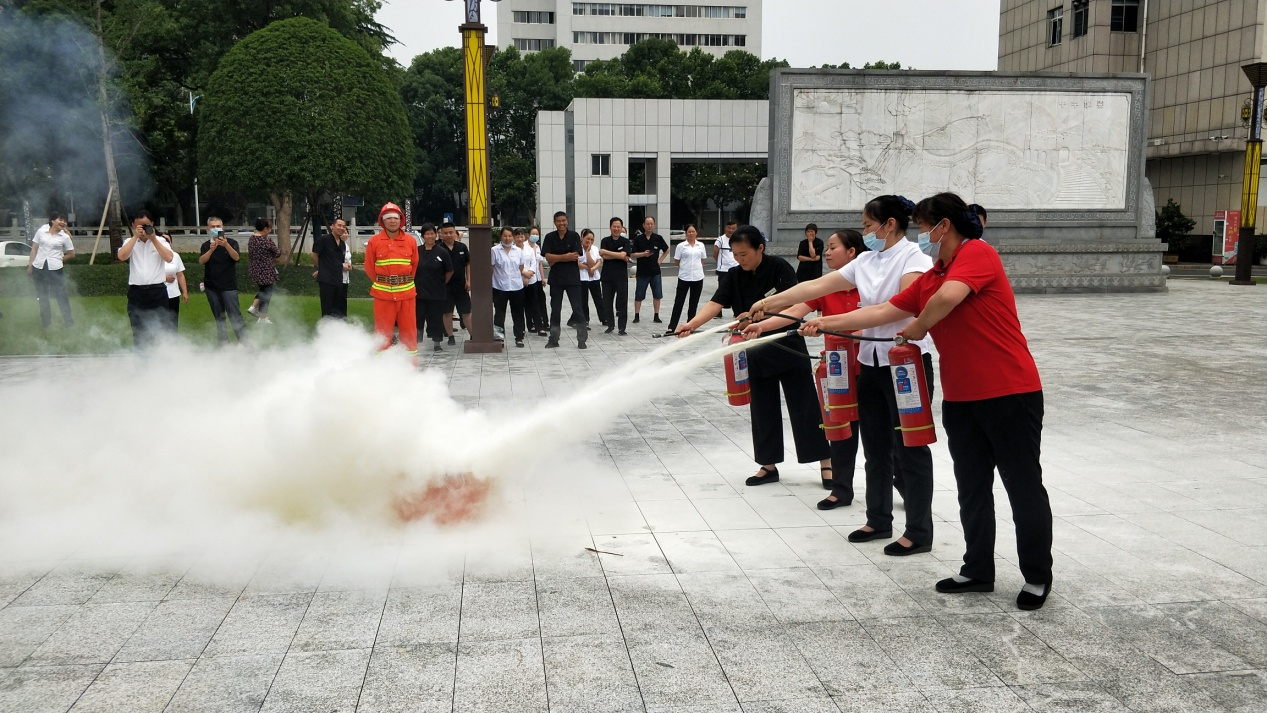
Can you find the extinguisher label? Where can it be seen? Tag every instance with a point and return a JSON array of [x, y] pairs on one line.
[[906, 388], [741, 366], [837, 377]]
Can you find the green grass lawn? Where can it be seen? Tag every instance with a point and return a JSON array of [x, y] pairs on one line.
[[101, 323]]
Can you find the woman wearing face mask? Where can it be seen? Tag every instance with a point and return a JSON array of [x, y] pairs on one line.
[[536, 297], [891, 264], [50, 248], [842, 247], [993, 401]]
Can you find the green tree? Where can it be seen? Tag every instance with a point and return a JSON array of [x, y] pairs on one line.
[[878, 64], [297, 107], [432, 91], [1173, 226]]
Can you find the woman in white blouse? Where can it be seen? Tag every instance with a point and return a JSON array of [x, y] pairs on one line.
[[177, 288], [689, 257], [50, 249], [591, 275]]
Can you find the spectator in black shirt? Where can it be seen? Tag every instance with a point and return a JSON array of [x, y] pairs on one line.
[[809, 256], [770, 367], [219, 257], [562, 250], [616, 251], [460, 285], [333, 258], [650, 250], [435, 271]]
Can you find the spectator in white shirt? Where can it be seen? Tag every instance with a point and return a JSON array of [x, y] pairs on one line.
[[534, 292], [723, 257], [591, 276], [689, 256], [177, 289], [510, 269], [146, 255], [51, 247]]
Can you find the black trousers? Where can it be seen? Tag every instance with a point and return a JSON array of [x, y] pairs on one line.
[[616, 302], [593, 290], [877, 411], [516, 300], [535, 307], [721, 280], [225, 302], [173, 313], [685, 288], [334, 300], [803, 411], [1004, 433], [429, 318], [576, 297], [844, 456], [147, 312], [51, 285]]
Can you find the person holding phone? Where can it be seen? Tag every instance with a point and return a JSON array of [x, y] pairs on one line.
[[219, 257], [333, 258], [147, 255]]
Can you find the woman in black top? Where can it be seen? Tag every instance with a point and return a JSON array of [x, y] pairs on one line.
[[435, 269], [809, 256], [770, 367]]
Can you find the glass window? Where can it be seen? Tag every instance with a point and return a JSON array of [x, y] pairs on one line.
[[1081, 17], [1055, 25], [600, 164], [1124, 16]]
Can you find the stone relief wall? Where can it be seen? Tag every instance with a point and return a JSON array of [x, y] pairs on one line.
[[1008, 150]]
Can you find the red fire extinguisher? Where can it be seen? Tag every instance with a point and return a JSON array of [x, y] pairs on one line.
[[738, 392], [842, 393], [834, 429], [910, 385]]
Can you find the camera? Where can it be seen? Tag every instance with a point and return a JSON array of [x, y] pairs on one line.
[[149, 229]]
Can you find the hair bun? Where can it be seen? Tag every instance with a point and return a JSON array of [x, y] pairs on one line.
[[907, 204], [975, 229]]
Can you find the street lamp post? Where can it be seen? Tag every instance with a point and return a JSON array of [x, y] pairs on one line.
[[197, 215], [479, 210], [1257, 75]]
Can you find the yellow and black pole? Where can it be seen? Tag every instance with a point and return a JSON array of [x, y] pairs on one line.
[[479, 208], [1257, 75]]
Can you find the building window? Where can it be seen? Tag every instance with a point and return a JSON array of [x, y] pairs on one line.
[[532, 17], [578, 65], [1055, 25], [532, 45], [718, 12], [1081, 17], [682, 40], [600, 164], [1124, 16]]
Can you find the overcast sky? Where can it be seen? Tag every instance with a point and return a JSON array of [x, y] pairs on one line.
[[925, 34]]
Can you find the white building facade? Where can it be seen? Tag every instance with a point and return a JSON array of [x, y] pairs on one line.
[[604, 30], [587, 153]]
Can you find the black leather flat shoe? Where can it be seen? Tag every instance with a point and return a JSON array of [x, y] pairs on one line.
[[869, 535], [828, 483], [1029, 602], [829, 504], [895, 549], [771, 476], [950, 586]]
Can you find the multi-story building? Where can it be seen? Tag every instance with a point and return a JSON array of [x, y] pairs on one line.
[[604, 30], [1194, 51]]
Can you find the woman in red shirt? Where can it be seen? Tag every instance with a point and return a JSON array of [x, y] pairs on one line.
[[842, 247], [992, 406]]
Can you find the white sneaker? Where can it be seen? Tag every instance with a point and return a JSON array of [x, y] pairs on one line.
[[265, 320], [253, 310]]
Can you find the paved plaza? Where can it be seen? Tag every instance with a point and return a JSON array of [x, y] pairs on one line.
[[707, 596]]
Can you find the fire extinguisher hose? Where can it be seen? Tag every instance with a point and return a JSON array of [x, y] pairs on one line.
[[843, 335]]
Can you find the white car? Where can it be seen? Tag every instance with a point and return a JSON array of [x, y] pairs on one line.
[[14, 253]]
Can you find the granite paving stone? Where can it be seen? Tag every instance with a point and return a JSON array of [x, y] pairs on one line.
[[409, 678], [590, 674], [226, 684], [328, 681], [143, 687]]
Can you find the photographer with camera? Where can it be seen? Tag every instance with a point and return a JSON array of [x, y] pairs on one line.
[[146, 254], [219, 257]]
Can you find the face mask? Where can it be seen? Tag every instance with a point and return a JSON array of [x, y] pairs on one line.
[[928, 247], [872, 242], [534, 238]]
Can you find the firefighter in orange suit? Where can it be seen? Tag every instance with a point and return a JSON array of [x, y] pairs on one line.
[[391, 259]]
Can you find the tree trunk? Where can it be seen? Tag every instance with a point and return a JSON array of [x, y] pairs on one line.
[[283, 203], [115, 209]]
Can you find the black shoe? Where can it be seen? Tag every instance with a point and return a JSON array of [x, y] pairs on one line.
[[637, 318], [622, 333], [1029, 602], [771, 476], [829, 504], [950, 586], [581, 345], [670, 332], [895, 549], [828, 483], [656, 319], [542, 333], [609, 330], [519, 343], [551, 344], [437, 348], [867, 536], [452, 340]]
